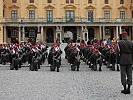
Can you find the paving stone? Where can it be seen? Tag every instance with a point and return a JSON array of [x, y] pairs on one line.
[[64, 85]]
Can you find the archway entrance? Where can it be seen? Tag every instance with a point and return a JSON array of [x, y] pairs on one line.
[[70, 32], [50, 35], [91, 33]]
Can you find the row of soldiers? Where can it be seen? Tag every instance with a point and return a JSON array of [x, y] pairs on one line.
[[93, 54], [35, 55], [18, 54]]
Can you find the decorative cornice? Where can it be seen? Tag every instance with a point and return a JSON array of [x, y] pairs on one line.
[[90, 7], [49, 7], [14, 7], [70, 6], [122, 7], [107, 7], [31, 6]]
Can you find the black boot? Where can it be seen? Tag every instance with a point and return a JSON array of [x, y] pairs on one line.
[[58, 69], [100, 68], [113, 67], [128, 89], [124, 91], [118, 68], [77, 68]]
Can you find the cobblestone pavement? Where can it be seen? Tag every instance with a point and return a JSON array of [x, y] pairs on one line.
[[64, 85]]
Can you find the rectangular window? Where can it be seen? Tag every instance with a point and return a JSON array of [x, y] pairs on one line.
[[14, 1], [31, 1], [67, 1], [122, 14], [107, 31], [89, 1], [121, 1], [14, 33], [49, 15], [69, 15], [49, 1], [31, 14], [71, 1], [107, 14], [90, 16], [32, 33], [14, 14], [106, 1]]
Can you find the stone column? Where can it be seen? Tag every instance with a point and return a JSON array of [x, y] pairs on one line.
[[61, 34], [82, 32], [86, 30], [42, 36], [120, 30], [117, 33], [103, 32], [19, 34], [100, 31], [5, 34], [23, 34], [78, 35]]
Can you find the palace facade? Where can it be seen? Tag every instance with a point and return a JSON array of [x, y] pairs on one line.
[[45, 20]]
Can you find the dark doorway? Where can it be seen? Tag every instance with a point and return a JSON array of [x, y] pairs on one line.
[[74, 32], [12, 33], [50, 35], [14, 40], [91, 34], [111, 34], [31, 34]]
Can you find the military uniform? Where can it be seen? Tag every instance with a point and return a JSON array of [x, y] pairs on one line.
[[125, 53]]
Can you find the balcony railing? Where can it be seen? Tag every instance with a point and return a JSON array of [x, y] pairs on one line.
[[63, 20]]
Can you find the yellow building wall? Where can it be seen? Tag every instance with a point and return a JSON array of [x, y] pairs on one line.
[[1, 33], [1, 25], [80, 7], [59, 7]]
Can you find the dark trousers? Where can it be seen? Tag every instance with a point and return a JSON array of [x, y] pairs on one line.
[[126, 74]]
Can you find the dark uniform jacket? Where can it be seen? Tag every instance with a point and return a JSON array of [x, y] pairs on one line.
[[125, 52]]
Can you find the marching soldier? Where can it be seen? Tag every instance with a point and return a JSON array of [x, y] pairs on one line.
[[125, 53]]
